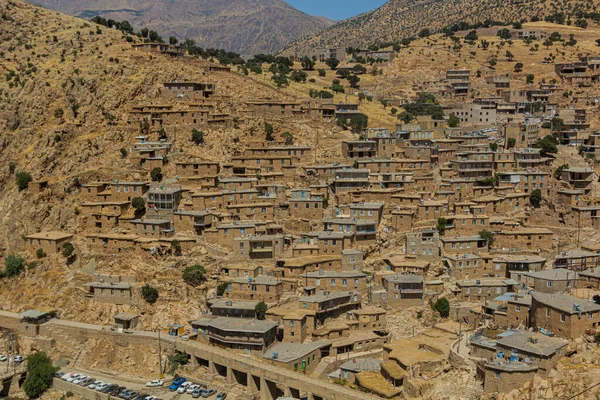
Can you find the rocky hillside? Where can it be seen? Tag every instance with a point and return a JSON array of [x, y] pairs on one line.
[[244, 26], [400, 19]]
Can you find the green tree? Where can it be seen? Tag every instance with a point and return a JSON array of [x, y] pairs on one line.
[[288, 137], [353, 80], [547, 145], [222, 288], [359, 122], [173, 40], [194, 275], [59, 113], [322, 72], [269, 132], [441, 225], [559, 171], [504, 34], [176, 247], [156, 174], [443, 307], [40, 372], [406, 117], [509, 55], [472, 35], [494, 146], [124, 152], [511, 142], [176, 360], [298, 76], [332, 63], [557, 124], [68, 249], [488, 237], [307, 63], [424, 32], [149, 294], [453, 121], [518, 67], [530, 79], [536, 198], [260, 310], [23, 179], [581, 23], [394, 110], [197, 136], [139, 205], [40, 253], [14, 264]]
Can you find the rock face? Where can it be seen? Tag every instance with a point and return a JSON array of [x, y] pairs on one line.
[[244, 26]]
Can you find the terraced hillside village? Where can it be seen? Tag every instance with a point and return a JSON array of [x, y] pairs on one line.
[[417, 219]]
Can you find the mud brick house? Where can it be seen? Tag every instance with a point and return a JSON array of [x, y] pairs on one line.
[[589, 279], [424, 244], [261, 288], [294, 267], [370, 318], [306, 208], [576, 260], [480, 290], [408, 265], [111, 242], [403, 290], [50, 242], [463, 244], [260, 247], [223, 234], [325, 171], [250, 212], [235, 183], [245, 334], [515, 266], [192, 221], [220, 200], [500, 376], [109, 292], [335, 280], [298, 154], [196, 168], [274, 107], [301, 358], [402, 220], [233, 308], [352, 149], [164, 199], [370, 210], [558, 280], [188, 90], [330, 305], [127, 191], [156, 228], [242, 270], [471, 266], [525, 238], [563, 315], [294, 324], [91, 191], [167, 49], [579, 178]]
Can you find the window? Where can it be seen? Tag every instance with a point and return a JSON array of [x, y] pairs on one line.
[[344, 282], [547, 313], [291, 324], [317, 282], [517, 308], [563, 317], [333, 282], [549, 284]]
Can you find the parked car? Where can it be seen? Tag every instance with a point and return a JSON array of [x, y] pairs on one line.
[[78, 380], [151, 398], [109, 387], [208, 392], [86, 381], [115, 391], [3, 357], [141, 396], [221, 396], [176, 383], [101, 387], [132, 396], [155, 383], [125, 392], [185, 338], [94, 384], [72, 377], [191, 388], [183, 387], [17, 359], [197, 393]]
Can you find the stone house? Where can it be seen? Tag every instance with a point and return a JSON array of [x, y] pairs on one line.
[[196, 168], [127, 191], [156, 228], [472, 266], [576, 260], [250, 211], [112, 242], [330, 305], [192, 221], [403, 290], [224, 234], [402, 220], [309, 208], [50, 242], [245, 334], [235, 183], [563, 315], [299, 154], [525, 238], [516, 266], [262, 288], [480, 290], [401, 264], [232, 308], [463, 244], [294, 267], [350, 368], [350, 179], [335, 281], [370, 318], [424, 244], [589, 279], [500, 376], [532, 347], [559, 280], [109, 292], [188, 90], [363, 210], [302, 358], [220, 200], [518, 311], [91, 191], [260, 247]]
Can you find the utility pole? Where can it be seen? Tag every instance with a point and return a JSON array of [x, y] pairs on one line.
[[579, 229], [160, 370]]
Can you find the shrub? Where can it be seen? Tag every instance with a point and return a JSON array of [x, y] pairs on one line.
[[139, 205], [40, 372], [536, 198], [156, 174], [176, 247], [222, 288], [288, 137], [194, 275], [261, 310], [322, 72], [40, 253], [488, 237], [14, 264], [149, 294], [443, 307], [453, 121], [68, 249], [269, 132], [559, 171], [23, 179], [124, 152], [332, 63]]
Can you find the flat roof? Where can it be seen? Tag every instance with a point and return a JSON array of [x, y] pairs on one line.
[[239, 324], [287, 352], [126, 316], [566, 303], [558, 274], [50, 235], [533, 342]]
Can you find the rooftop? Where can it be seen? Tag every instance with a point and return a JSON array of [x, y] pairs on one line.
[[286, 352], [533, 343], [238, 324], [565, 303]]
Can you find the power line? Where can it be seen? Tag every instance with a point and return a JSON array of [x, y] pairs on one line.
[[582, 392]]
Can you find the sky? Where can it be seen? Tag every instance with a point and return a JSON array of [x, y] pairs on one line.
[[336, 9]]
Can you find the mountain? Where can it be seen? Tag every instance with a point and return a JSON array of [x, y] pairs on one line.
[[398, 19], [247, 27]]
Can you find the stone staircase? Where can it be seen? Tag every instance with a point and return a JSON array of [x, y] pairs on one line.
[[473, 389]]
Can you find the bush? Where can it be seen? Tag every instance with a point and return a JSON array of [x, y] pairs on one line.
[[23, 179], [288, 137], [176, 360], [40, 372], [222, 288], [150, 294], [194, 275], [156, 174], [332, 63], [139, 205], [124, 152], [14, 264], [269, 132], [261, 310], [68, 249], [40, 253], [559, 171], [453, 121], [536, 198], [322, 72], [359, 122], [488, 237], [443, 307], [176, 247]]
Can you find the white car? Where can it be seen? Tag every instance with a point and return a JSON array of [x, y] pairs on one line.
[[16, 359], [151, 398], [101, 386], [191, 388], [155, 383], [183, 387], [79, 379], [94, 385], [3, 357], [73, 377]]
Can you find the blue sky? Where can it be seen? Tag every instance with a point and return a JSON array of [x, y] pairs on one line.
[[336, 9]]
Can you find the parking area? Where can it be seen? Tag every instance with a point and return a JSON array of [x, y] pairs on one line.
[[178, 389]]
